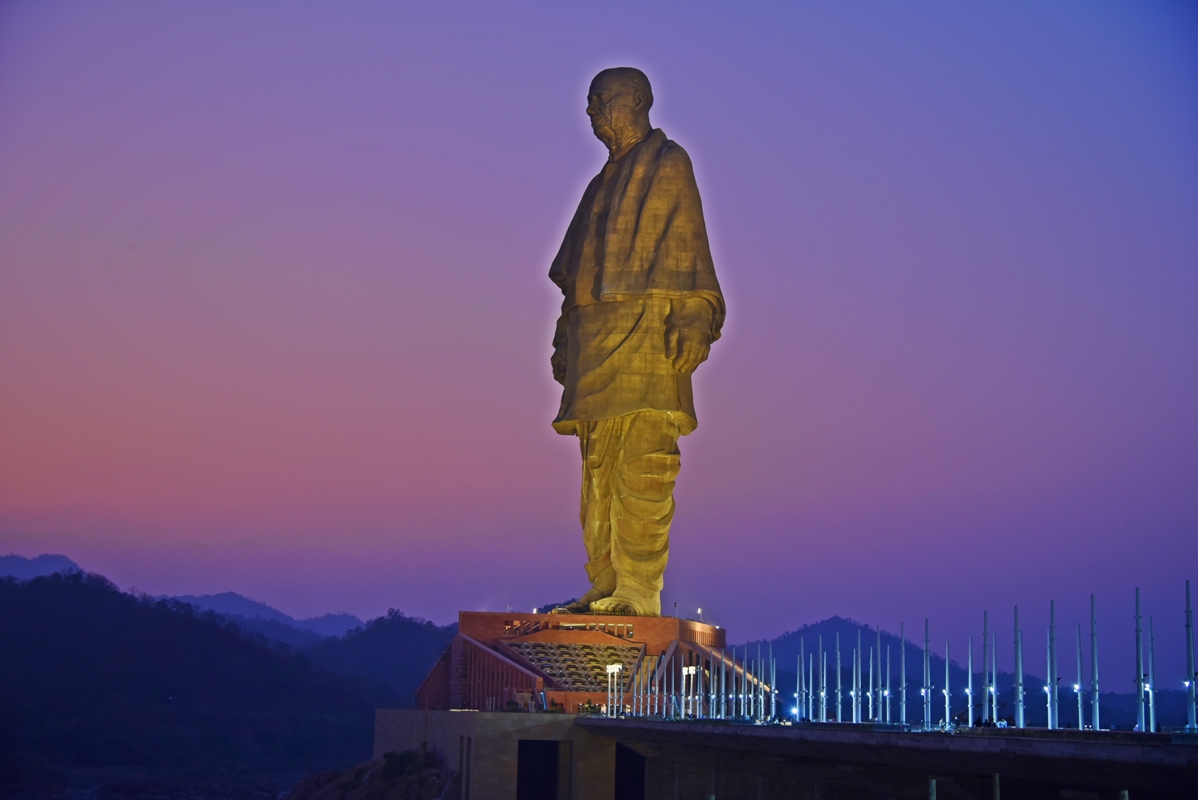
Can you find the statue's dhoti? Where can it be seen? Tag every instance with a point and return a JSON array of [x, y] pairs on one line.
[[629, 465]]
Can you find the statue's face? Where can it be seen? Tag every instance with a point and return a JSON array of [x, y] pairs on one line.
[[613, 109]]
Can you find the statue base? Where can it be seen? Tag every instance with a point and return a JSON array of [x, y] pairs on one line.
[[512, 661]]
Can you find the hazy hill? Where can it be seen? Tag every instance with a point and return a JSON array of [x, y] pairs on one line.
[[92, 676], [21, 568], [298, 639], [241, 608]]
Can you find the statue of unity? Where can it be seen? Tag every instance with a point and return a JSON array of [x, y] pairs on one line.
[[641, 308]]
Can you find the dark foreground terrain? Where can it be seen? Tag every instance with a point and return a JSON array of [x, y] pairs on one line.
[[105, 694]]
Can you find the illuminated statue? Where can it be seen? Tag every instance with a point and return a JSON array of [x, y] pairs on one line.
[[642, 307]]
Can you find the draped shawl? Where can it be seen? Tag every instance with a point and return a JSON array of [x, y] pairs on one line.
[[656, 240]]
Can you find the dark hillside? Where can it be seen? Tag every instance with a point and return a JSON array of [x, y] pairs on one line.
[[394, 651], [90, 676]]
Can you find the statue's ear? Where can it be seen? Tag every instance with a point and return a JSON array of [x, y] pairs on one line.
[[639, 101]]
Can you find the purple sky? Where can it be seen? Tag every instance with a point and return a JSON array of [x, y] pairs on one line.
[[274, 314]]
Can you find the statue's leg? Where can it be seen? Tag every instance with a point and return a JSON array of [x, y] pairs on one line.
[[642, 507], [599, 442]]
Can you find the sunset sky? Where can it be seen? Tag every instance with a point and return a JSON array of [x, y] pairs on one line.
[[274, 313]]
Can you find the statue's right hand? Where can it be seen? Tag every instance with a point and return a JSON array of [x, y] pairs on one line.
[[558, 362]]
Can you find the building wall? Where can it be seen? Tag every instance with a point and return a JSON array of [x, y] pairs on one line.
[[483, 748]]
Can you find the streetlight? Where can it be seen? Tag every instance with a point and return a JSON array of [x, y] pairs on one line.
[[613, 681]]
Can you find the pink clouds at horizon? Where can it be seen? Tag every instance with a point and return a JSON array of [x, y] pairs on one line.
[[274, 314]]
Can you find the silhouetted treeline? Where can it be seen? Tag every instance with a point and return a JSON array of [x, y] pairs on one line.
[[394, 651], [92, 676]]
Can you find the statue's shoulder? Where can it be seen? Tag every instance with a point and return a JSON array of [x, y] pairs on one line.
[[671, 155]]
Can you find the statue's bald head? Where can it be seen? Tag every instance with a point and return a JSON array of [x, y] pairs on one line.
[[618, 104], [629, 78]]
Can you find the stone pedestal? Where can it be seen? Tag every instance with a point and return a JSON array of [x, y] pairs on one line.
[[558, 662]]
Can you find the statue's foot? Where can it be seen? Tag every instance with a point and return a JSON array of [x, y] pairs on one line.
[[577, 607], [613, 607], [602, 586], [629, 600], [583, 604]]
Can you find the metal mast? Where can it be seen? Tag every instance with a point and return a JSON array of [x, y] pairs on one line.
[[838, 677], [948, 715], [1018, 672], [1048, 680], [889, 716], [799, 685], [927, 678], [823, 681], [810, 686], [1052, 659], [1093, 665], [773, 684], [969, 681], [1139, 667], [1077, 687], [902, 673], [857, 679], [1191, 675], [823, 684], [985, 667], [994, 677], [1151, 678], [873, 716]]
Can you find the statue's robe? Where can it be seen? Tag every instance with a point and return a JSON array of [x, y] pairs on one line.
[[635, 259], [635, 262]]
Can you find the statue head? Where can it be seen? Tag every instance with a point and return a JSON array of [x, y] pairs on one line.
[[618, 104]]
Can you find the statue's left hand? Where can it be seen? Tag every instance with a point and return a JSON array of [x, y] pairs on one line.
[[558, 362], [687, 348]]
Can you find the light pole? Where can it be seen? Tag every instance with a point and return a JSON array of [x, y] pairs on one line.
[[948, 697], [799, 684], [1052, 658], [985, 667], [838, 678], [969, 681], [857, 679], [927, 678], [1048, 683], [810, 687], [613, 675], [1139, 667], [774, 687], [994, 677], [1191, 675], [1077, 687], [823, 684], [1151, 678], [1019, 721], [889, 716], [1093, 665], [902, 673], [870, 694]]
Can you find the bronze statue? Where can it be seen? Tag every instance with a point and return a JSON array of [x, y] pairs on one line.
[[642, 307]]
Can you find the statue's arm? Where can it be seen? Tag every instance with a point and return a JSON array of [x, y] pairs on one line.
[[689, 332], [558, 359]]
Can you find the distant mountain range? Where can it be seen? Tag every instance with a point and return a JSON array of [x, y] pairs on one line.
[[247, 613], [393, 652], [271, 622]]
